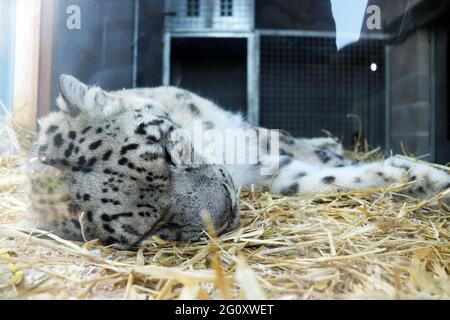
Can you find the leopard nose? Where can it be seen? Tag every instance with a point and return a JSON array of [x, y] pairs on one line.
[[42, 153]]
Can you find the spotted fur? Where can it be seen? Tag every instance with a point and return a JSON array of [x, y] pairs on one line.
[[120, 172], [122, 166]]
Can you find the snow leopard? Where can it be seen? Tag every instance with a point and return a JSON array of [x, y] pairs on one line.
[[112, 165]]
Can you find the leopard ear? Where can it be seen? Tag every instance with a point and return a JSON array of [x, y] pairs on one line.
[[77, 97], [73, 93]]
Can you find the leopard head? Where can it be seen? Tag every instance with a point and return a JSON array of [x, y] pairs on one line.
[[124, 161]]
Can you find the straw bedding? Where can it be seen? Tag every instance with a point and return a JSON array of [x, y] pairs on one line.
[[366, 244]]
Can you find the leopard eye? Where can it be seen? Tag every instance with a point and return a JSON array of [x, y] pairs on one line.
[[43, 148], [168, 158]]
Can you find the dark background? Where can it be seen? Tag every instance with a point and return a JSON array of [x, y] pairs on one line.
[[305, 86]]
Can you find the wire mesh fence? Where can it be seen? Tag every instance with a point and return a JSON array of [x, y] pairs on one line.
[[307, 86]]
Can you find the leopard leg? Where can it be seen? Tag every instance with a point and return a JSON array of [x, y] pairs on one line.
[[298, 177]]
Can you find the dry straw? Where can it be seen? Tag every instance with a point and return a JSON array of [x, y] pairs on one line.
[[362, 244]]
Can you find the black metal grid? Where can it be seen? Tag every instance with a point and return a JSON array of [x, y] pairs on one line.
[[226, 8], [220, 15], [307, 86], [193, 8]]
